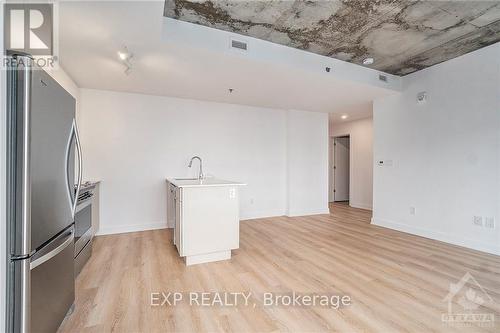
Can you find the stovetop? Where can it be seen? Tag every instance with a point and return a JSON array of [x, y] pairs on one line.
[[87, 185]]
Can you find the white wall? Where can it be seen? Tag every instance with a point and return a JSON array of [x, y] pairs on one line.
[[361, 160], [133, 142], [445, 153], [307, 161]]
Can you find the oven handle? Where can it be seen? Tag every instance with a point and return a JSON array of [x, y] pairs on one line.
[[83, 204]]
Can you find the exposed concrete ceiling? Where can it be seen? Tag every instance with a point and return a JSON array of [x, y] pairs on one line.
[[402, 36]]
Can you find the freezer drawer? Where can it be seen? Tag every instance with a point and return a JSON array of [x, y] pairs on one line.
[[52, 283]]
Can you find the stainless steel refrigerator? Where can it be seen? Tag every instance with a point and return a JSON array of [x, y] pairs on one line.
[[42, 141]]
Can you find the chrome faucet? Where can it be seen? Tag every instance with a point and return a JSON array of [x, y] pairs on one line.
[[200, 175]]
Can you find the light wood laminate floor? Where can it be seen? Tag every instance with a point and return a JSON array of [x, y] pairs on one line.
[[397, 282]]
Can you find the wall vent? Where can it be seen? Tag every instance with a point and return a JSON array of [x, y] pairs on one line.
[[238, 45], [382, 78]]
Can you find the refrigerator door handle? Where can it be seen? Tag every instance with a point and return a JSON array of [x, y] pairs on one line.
[[47, 256], [80, 165], [69, 184], [74, 199]]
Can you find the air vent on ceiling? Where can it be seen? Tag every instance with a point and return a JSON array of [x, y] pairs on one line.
[[382, 78], [236, 44]]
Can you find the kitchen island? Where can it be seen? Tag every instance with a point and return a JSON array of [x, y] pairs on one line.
[[205, 217]]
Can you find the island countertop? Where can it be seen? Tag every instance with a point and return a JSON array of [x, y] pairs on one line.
[[193, 182]]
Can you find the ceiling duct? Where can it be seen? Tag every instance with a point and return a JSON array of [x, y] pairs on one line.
[[382, 78], [236, 44]]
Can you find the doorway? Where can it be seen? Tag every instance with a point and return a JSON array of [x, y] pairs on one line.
[[341, 161]]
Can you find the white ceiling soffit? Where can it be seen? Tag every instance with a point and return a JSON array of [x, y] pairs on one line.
[[180, 59], [190, 34]]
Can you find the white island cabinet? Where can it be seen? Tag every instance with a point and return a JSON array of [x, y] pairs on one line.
[[205, 216]]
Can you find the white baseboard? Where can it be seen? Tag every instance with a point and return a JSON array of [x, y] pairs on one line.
[[261, 214], [274, 213], [440, 236], [305, 212], [360, 205], [119, 229]]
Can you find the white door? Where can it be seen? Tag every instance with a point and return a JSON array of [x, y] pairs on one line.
[[341, 169]]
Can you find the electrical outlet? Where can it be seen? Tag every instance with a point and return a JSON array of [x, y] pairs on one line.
[[388, 163], [413, 210], [478, 221], [489, 222]]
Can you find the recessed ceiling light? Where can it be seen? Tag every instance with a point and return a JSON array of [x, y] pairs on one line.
[[368, 61], [344, 116]]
